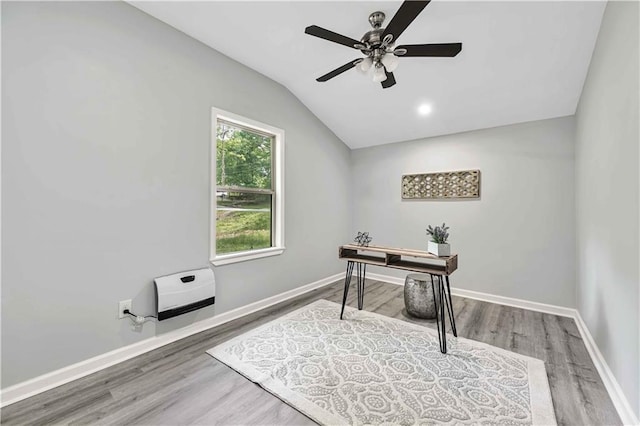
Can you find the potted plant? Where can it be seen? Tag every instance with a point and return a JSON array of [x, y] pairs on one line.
[[438, 244]]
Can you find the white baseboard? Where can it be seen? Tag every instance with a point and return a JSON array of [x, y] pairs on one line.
[[385, 278], [620, 401], [64, 375], [517, 303], [616, 394], [492, 298]]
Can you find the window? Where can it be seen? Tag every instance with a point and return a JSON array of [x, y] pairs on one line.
[[247, 197]]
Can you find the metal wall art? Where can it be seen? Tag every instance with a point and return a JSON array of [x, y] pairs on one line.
[[444, 185]]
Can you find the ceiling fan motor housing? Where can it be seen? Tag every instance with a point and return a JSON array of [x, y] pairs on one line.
[[373, 39]]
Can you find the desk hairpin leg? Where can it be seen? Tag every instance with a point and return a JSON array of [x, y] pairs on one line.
[[452, 320], [362, 270], [347, 281], [437, 301], [442, 302]]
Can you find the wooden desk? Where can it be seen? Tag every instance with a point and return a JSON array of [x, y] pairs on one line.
[[438, 268]]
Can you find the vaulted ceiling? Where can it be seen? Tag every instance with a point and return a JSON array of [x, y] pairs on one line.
[[520, 61]]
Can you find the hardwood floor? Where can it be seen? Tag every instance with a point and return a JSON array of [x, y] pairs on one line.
[[180, 384]]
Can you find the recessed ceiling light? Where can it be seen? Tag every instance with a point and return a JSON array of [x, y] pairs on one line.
[[424, 109]]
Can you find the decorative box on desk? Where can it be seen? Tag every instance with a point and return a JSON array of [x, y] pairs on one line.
[[439, 269]]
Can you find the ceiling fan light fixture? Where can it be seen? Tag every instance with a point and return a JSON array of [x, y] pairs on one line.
[[379, 75], [364, 65], [390, 62]]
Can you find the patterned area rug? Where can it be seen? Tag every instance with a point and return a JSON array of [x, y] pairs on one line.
[[371, 369]]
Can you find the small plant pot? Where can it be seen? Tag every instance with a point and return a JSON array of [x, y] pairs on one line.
[[439, 249]]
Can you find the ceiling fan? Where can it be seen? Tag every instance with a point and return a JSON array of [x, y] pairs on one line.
[[378, 44]]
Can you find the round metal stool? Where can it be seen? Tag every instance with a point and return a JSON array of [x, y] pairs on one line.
[[418, 296]]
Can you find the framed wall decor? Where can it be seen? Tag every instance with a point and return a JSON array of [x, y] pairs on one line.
[[441, 185]]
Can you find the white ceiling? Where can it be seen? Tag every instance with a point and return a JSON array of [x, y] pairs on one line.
[[520, 61]]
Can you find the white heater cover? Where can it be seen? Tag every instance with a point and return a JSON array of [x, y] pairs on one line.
[[184, 292]]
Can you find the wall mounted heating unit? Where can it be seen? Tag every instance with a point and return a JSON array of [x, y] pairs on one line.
[[184, 292]]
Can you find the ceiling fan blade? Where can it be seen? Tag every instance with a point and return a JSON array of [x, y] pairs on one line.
[[437, 49], [317, 31], [408, 11], [390, 81], [339, 70]]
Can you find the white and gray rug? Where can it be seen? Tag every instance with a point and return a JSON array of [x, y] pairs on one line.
[[371, 369]]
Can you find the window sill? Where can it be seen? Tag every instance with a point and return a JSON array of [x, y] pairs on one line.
[[226, 259]]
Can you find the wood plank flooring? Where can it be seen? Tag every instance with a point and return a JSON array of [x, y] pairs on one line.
[[180, 384]]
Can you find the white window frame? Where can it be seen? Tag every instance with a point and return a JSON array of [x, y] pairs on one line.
[[277, 175]]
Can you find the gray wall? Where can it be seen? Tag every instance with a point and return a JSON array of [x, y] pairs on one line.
[[607, 192], [517, 240], [105, 178]]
